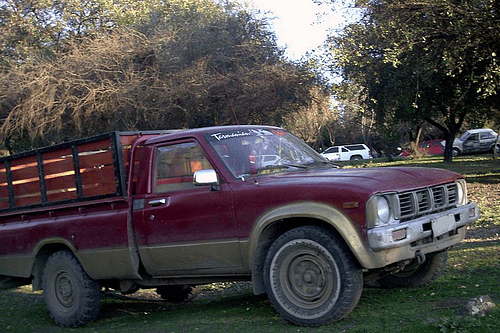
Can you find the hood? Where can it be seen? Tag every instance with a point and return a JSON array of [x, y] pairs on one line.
[[372, 180]]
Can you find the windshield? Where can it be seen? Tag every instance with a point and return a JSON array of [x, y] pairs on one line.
[[463, 136], [257, 151]]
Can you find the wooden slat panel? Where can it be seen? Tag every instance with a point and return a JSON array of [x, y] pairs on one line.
[[97, 172], [26, 181], [96, 159], [3, 174], [27, 188], [104, 144], [58, 166], [25, 173], [103, 179], [24, 168], [4, 192], [61, 196], [126, 155], [4, 203], [57, 154], [27, 201], [60, 183], [98, 190], [127, 140], [20, 163], [98, 175]]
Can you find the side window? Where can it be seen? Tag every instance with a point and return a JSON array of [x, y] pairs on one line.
[[175, 166], [473, 137], [356, 147], [486, 136]]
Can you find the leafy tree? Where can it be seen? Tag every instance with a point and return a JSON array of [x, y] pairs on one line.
[[433, 60], [315, 121], [178, 64]]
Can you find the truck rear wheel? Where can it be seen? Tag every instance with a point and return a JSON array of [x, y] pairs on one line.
[[72, 297], [417, 276], [311, 278]]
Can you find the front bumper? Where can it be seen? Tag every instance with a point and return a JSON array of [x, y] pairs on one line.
[[426, 231]]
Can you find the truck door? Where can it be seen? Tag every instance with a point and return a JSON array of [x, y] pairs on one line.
[[185, 228]]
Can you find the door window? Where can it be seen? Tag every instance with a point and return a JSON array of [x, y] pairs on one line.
[[473, 137], [175, 166]]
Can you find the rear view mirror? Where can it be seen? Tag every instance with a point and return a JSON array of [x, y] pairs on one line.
[[206, 177]]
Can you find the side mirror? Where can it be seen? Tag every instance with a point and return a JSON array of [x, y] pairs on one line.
[[206, 177]]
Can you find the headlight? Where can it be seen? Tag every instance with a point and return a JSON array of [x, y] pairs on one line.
[[383, 210], [461, 192], [378, 211]]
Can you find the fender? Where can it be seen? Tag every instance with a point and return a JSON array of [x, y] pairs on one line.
[[366, 257]]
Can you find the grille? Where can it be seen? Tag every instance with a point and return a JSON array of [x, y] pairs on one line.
[[427, 200]]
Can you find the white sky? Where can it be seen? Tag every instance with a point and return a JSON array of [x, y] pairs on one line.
[[296, 23]]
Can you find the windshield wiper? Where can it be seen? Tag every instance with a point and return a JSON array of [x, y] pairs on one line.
[[331, 163], [293, 165], [280, 167], [272, 167]]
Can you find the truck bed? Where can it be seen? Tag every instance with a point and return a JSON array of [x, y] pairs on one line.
[[81, 170]]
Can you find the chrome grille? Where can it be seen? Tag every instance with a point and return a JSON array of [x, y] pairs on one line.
[[439, 196], [425, 201]]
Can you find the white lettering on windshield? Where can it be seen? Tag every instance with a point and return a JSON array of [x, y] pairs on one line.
[[219, 136]]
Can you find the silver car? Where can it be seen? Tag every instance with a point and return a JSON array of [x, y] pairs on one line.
[[475, 141]]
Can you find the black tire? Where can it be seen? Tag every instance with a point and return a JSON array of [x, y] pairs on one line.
[[72, 297], [455, 152], [311, 278], [174, 294], [356, 158], [417, 276]]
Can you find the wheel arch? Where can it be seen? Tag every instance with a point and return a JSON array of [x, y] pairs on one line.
[[43, 251], [278, 221]]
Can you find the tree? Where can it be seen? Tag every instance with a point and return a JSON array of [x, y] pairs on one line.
[[182, 64], [312, 122], [424, 60]]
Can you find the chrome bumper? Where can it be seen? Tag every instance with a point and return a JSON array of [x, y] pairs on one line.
[[435, 226]]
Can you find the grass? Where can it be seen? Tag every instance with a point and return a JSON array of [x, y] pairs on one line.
[[473, 270]]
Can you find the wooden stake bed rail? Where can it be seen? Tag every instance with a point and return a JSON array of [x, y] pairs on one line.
[[80, 170]]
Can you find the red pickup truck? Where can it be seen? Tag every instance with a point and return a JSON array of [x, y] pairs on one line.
[[175, 209]]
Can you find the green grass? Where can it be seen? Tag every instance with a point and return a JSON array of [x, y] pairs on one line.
[[473, 270]]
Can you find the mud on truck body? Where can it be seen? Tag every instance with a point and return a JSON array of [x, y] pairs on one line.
[[175, 209]]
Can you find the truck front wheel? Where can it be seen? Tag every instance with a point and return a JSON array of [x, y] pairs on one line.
[[72, 297], [311, 278], [415, 275]]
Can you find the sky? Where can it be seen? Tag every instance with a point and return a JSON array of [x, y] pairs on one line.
[[300, 25]]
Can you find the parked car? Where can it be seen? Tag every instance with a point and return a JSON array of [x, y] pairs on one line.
[[354, 152], [431, 147], [475, 141]]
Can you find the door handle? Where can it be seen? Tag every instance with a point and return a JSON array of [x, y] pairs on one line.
[[157, 202]]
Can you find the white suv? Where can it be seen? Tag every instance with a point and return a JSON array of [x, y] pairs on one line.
[[348, 153]]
